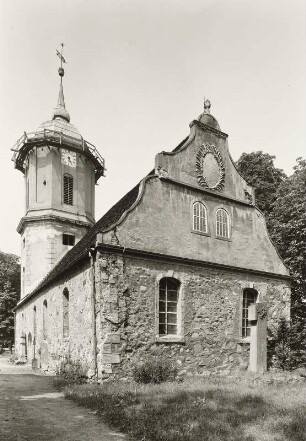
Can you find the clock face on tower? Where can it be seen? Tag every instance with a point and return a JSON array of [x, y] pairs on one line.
[[68, 158]]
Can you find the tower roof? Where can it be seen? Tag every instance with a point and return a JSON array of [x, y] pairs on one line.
[[57, 132]]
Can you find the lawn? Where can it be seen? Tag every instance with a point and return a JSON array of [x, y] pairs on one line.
[[211, 409]]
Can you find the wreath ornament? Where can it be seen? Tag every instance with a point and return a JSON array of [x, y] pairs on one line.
[[204, 150]]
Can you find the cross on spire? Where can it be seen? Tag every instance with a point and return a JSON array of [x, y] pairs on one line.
[[60, 111]]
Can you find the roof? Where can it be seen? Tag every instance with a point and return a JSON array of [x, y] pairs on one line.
[[81, 249]]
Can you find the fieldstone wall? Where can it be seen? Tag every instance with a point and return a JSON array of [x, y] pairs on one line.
[[211, 310], [48, 349]]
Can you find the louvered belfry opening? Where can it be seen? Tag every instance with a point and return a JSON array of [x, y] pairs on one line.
[[68, 189]]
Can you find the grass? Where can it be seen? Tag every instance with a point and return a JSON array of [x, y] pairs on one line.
[[198, 409]]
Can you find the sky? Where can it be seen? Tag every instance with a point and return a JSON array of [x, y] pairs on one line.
[[136, 75]]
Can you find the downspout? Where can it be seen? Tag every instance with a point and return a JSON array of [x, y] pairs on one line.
[[92, 254]]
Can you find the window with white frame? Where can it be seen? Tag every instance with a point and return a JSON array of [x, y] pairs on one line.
[[168, 306], [222, 223], [199, 217], [249, 298]]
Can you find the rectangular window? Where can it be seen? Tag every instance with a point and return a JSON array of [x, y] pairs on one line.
[[68, 190], [168, 302], [68, 239], [249, 298]]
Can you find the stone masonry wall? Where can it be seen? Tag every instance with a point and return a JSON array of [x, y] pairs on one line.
[[52, 349], [211, 309]]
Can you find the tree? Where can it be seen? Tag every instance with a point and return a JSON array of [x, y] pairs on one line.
[[9, 295], [288, 229], [258, 170], [283, 201]]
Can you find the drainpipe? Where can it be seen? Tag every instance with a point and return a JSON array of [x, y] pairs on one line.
[[92, 254]]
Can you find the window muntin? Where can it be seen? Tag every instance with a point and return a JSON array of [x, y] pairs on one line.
[[222, 223], [168, 306], [249, 298], [65, 313], [199, 217], [68, 239], [68, 189]]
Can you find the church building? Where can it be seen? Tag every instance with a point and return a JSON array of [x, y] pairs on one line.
[[170, 270]]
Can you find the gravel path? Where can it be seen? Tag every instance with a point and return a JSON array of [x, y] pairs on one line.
[[31, 409]]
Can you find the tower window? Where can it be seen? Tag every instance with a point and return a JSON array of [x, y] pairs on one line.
[[68, 239], [68, 189]]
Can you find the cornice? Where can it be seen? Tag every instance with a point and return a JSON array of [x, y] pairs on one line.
[[26, 220], [150, 255], [208, 129]]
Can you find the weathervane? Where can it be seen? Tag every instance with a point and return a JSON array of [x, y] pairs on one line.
[[60, 56]]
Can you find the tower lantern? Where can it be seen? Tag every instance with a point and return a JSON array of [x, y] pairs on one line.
[[60, 169]]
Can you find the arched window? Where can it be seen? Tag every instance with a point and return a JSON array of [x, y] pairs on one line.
[[249, 298], [45, 319], [68, 189], [168, 306], [66, 313], [222, 223], [199, 217], [34, 322]]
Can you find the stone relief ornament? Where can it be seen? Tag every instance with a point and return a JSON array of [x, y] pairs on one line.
[[210, 167]]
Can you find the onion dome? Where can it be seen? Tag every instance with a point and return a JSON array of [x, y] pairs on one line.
[[206, 118]]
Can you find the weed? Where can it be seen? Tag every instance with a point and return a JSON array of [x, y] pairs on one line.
[[154, 370]]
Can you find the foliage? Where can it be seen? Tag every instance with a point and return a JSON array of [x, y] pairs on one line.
[[225, 411], [69, 373], [286, 345], [283, 200], [9, 296], [154, 370], [258, 169], [288, 229]]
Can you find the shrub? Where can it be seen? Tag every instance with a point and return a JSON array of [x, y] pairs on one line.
[[70, 373], [286, 346], [154, 370]]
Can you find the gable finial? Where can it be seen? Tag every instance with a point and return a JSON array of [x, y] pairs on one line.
[[207, 106]]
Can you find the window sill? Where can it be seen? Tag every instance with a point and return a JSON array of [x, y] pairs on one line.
[[169, 339], [200, 233], [223, 238], [245, 340]]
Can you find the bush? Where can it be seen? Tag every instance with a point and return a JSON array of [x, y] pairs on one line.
[[70, 373], [286, 346], [154, 370]]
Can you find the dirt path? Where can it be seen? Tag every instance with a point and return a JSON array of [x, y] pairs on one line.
[[31, 409]]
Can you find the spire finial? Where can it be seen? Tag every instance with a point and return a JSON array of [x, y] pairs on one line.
[[207, 106], [60, 111]]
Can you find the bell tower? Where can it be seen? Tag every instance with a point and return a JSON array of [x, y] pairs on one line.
[[60, 170]]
